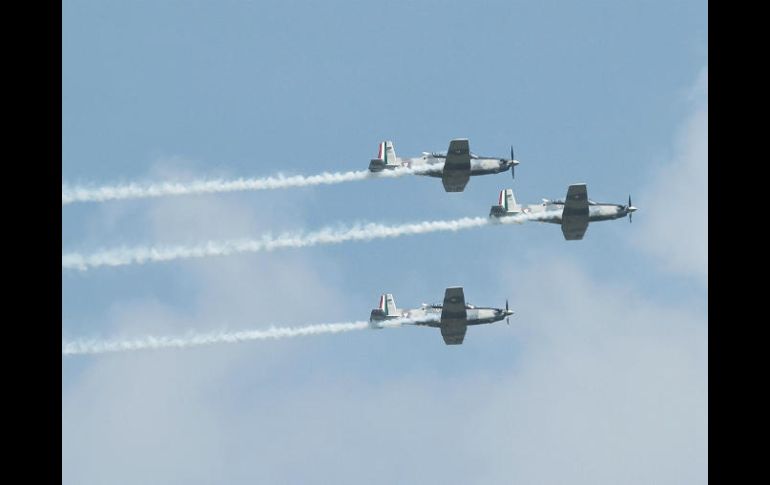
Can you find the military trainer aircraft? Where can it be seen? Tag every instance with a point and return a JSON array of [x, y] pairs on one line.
[[452, 317], [573, 213], [454, 167]]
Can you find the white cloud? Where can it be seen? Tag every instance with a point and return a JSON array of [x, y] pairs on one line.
[[603, 387], [674, 209], [159, 418], [609, 389]]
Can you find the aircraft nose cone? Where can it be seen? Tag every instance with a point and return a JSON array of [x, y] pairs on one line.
[[632, 209]]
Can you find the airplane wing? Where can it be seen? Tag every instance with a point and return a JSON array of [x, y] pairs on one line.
[[454, 305], [454, 335], [574, 218], [457, 167], [453, 316]]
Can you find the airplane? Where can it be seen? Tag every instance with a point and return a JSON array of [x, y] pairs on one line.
[[573, 213], [452, 317], [454, 167]]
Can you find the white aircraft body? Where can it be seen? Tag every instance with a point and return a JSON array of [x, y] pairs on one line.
[[455, 167], [573, 213], [453, 316]]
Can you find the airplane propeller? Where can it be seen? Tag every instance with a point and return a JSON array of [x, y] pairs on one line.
[[513, 175], [630, 208], [507, 319]]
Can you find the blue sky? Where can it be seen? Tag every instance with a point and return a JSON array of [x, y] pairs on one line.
[[608, 344]]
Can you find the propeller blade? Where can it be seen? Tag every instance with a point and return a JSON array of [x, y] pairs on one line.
[[630, 213], [506, 304]]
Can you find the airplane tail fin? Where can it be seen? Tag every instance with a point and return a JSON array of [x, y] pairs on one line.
[[506, 205], [386, 309], [390, 305], [386, 158], [390, 153], [510, 201]]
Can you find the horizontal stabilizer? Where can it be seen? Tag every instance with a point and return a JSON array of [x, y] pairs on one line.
[[386, 309], [386, 158], [506, 206]]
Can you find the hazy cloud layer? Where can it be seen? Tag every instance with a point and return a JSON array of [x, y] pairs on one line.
[[159, 420], [601, 383], [675, 206], [608, 388]]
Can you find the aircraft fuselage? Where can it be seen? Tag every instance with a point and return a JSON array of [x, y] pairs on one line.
[[596, 211], [479, 165], [475, 315]]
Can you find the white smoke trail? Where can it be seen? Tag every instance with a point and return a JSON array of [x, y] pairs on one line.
[[92, 346], [148, 254], [140, 191]]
